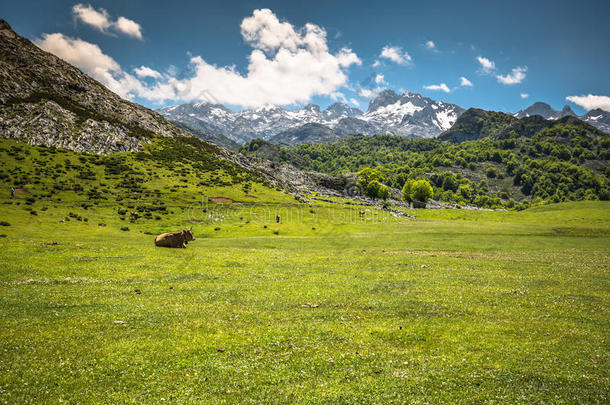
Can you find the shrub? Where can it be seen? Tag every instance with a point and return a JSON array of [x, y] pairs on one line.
[[4, 223], [125, 228]]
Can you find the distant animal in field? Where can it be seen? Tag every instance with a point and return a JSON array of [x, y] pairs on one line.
[[175, 239], [134, 214], [277, 219]]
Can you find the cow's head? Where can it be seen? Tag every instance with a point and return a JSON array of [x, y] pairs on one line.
[[188, 234]]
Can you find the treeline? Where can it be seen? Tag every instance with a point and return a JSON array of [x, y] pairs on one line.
[[565, 162]]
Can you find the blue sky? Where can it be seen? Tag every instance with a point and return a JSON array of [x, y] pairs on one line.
[[164, 53]]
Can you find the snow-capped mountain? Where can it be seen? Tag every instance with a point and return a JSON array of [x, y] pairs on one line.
[[598, 118], [409, 114]]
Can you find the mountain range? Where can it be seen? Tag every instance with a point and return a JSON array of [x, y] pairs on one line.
[[409, 114], [45, 100], [597, 117]]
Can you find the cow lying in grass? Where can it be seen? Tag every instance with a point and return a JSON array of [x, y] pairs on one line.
[[175, 239]]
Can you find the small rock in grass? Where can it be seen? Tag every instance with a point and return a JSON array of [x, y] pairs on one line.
[[119, 322], [220, 350], [137, 291], [423, 266]]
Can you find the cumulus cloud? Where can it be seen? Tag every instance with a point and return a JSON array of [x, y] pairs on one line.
[[516, 76], [286, 66], [96, 18], [487, 66], [431, 46], [438, 87], [90, 58], [82, 54], [396, 55], [464, 82], [100, 19], [380, 79], [369, 93], [591, 102], [128, 27], [145, 71], [376, 64], [524, 95]]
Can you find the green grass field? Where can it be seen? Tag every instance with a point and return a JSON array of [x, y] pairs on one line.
[[327, 306], [454, 306]]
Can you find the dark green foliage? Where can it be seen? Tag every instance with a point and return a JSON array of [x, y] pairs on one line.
[[554, 161]]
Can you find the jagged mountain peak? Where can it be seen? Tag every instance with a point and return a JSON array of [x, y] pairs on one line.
[[384, 98], [566, 110], [341, 110], [312, 107], [545, 111]]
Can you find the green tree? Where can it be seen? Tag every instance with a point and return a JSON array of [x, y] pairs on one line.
[[406, 190], [421, 191], [465, 192], [383, 192], [372, 189]]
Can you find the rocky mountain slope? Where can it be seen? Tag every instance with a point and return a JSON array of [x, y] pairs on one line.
[[598, 117], [409, 114], [46, 101]]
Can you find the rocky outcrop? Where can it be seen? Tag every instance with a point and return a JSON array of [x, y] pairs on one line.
[[45, 100]]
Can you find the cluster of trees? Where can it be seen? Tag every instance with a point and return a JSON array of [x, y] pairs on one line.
[[564, 162], [370, 185]]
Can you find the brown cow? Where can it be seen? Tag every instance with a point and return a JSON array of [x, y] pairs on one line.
[[175, 239]]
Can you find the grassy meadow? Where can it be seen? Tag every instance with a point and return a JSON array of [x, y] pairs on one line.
[[326, 306]]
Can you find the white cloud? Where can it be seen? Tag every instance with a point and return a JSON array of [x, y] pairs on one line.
[[354, 102], [90, 58], [524, 95], [128, 27], [89, 15], [437, 87], [464, 82], [145, 71], [368, 93], [82, 54], [286, 66], [591, 102], [430, 45], [395, 54], [380, 79], [516, 76], [376, 63], [101, 20], [487, 65]]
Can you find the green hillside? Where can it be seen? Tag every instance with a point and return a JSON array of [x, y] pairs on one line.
[[557, 162]]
